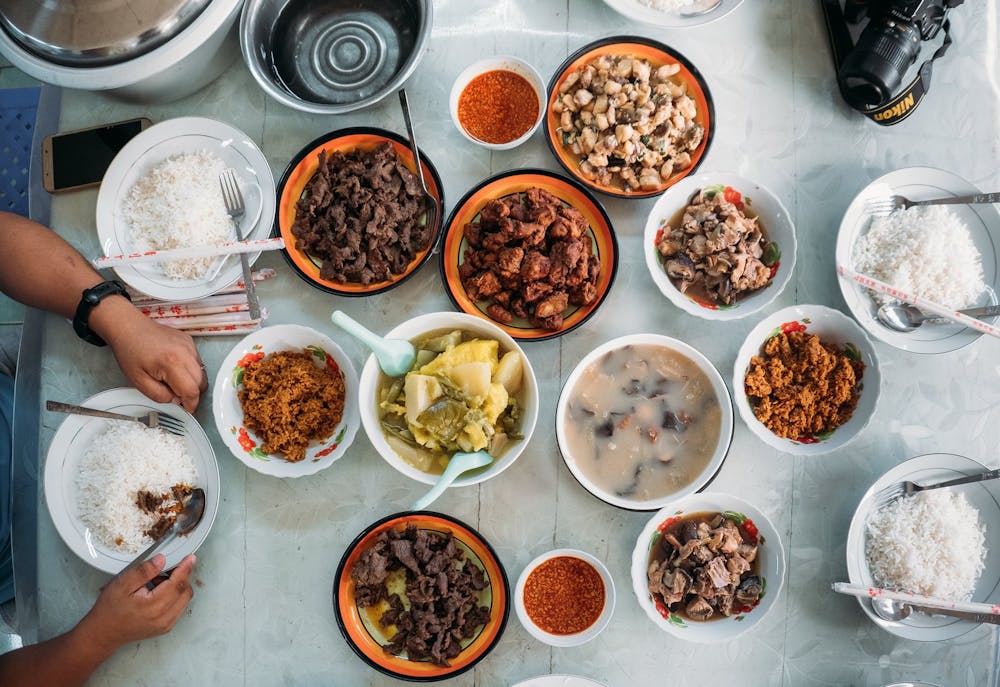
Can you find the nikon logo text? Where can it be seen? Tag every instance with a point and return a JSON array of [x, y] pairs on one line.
[[897, 110]]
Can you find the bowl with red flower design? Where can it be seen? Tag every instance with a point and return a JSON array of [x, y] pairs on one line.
[[708, 567], [719, 246], [806, 380], [285, 401]]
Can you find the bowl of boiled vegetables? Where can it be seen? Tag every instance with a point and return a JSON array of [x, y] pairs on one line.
[[470, 388]]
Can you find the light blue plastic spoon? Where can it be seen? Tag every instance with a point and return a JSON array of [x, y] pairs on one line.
[[459, 463], [394, 356]]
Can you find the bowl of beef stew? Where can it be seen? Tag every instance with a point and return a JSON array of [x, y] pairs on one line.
[[532, 251], [719, 246], [708, 567], [351, 212], [394, 583]]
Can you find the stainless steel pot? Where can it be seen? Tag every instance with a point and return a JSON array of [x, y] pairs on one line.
[[176, 48], [333, 56]]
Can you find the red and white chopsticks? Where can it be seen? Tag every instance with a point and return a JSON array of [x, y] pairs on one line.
[[210, 251]]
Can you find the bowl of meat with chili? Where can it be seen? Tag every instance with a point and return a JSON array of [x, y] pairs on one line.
[[629, 116], [285, 401], [351, 196], [531, 251], [708, 567], [806, 380], [388, 592], [719, 246]]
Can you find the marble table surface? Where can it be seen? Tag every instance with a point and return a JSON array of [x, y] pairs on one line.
[[262, 610]]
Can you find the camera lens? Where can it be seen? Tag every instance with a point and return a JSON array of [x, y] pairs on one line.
[[874, 70]]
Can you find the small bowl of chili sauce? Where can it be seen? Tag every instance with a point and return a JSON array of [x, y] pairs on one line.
[[498, 102], [565, 597]]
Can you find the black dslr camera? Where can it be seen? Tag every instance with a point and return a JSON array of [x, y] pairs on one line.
[[889, 44]]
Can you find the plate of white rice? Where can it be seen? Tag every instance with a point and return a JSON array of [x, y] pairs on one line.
[[95, 467], [944, 542], [948, 254], [162, 191], [672, 13]]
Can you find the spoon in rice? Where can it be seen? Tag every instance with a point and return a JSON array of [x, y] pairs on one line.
[[903, 317], [186, 520]]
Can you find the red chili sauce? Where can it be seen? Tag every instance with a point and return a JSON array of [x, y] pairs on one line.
[[564, 595], [498, 106]]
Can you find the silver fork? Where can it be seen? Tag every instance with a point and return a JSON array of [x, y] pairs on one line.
[[433, 209], [907, 488], [153, 419], [233, 198], [887, 204]]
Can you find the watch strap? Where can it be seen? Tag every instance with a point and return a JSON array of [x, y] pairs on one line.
[[89, 300]]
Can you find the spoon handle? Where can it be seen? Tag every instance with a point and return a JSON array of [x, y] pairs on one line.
[[432, 495], [413, 141], [965, 615], [148, 553], [968, 479], [357, 330], [961, 200]]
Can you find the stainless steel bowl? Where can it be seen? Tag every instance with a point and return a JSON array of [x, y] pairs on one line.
[[333, 56]]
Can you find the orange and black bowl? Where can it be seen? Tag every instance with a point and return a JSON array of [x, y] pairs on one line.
[[366, 636], [517, 181], [300, 171], [658, 55]]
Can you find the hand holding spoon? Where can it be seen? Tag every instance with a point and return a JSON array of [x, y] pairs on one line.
[[394, 356], [459, 463], [185, 521]]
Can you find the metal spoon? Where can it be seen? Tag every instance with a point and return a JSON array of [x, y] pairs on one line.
[[896, 611], [394, 356], [903, 317], [459, 463], [186, 520], [711, 7], [433, 207]]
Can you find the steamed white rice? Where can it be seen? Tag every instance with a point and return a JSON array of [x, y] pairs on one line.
[[124, 459], [177, 204], [668, 5]]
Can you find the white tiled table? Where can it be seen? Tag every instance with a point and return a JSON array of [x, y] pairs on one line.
[[262, 613]]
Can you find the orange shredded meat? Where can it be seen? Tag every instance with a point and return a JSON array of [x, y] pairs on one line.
[[801, 386], [289, 402]]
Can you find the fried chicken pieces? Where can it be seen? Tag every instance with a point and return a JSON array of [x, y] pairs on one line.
[[529, 254]]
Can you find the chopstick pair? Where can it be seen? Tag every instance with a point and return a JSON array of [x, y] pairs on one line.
[[915, 599], [190, 252], [263, 274], [922, 303]]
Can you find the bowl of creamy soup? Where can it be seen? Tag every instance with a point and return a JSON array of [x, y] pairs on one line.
[[644, 420]]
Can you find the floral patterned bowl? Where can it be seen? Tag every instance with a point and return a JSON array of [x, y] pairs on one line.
[[246, 445], [754, 525], [833, 327]]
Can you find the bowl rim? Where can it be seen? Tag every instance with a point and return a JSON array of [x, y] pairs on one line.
[[351, 420], [307, 151], [497, 63], [402, 517], [448, 226], [747, 350], [651, 43], [368, 382], [756, 301], [706, 476], [288, 99], [587, 634], [640, 555]]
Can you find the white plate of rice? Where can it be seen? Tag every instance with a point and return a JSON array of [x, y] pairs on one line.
[[94, 467], [162, 191], [984, 497], [981, 225], [671, 13]]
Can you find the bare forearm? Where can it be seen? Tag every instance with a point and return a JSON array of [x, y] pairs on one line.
[[67, 660], [40, 268]]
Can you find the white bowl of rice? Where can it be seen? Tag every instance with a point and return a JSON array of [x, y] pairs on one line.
[[96, 468], [673, 14], [162, 192], [944, 542]]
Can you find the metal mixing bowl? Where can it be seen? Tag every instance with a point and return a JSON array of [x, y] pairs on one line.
[[333, 56]]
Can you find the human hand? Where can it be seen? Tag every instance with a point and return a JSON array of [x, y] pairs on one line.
[[161, 362], [126, 611]]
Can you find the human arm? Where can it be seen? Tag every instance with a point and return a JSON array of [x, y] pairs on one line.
[[43, 271], [125, 612]]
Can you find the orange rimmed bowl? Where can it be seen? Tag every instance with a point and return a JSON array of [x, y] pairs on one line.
[[301, 169], [362, 631], [657, 54], [502, 185]]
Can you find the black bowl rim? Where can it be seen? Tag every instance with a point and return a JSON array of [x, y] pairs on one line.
[[642, 40], [447, 226], [423, 513], [706, 485], [306, 151]]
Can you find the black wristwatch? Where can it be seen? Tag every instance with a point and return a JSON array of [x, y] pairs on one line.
[[91, 297]]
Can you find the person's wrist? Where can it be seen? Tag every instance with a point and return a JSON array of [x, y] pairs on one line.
[[93, 642], [111, 317]]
